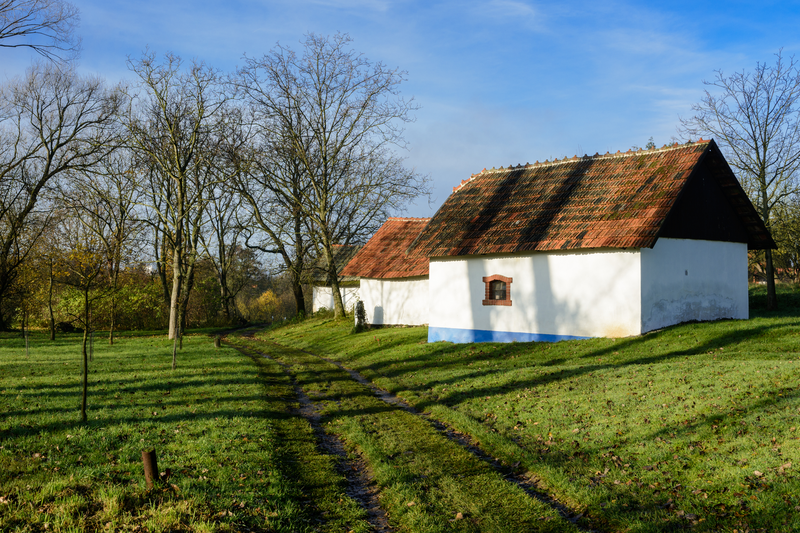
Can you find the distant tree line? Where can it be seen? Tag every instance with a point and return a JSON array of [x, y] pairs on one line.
[[191, 196]]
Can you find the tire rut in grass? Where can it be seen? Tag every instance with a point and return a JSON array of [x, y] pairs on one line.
[[360, 484], [526, 481]]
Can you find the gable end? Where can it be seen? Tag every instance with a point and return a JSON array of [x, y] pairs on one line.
[[702, 212], [713, 206]]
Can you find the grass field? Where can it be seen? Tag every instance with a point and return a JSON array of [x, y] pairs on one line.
[[695, 427], [221, 423]]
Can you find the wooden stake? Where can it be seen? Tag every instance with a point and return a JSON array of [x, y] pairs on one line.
[[150, 467]]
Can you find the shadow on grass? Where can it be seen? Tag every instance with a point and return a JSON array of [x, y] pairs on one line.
[[654, 510], [142, 397], [412, 365]]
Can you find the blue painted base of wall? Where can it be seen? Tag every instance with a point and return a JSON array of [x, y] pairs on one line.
[[476, 335]]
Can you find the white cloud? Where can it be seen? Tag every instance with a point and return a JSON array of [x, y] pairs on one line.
[[513, 13]]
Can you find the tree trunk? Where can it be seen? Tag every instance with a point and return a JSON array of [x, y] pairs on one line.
[[50, 305], [183, 306], [223, 294], [4, 283], [161, 268], [174, 302], [114, 283], [338, 305], [25, 327], [113, 316], [296, 266], [222, 278], [772, 297], [85, 354], [174, 352], [178, 338], [299, 297]]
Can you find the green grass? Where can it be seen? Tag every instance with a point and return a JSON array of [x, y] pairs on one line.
[[696, 426], [428, 483], [692, 427], [221, 423]]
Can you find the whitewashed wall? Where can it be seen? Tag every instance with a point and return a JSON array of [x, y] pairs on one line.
[[396, 301], [323, 297], [685, 280], [555, 296]]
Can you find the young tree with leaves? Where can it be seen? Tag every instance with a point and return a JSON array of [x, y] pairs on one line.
[[83, 259]]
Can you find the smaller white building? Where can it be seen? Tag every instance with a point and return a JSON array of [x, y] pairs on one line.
[[394, 284], [323, 297], [322, 293]]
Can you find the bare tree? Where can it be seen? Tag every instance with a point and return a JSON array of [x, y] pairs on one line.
[[52, 121], [270, 184], [44, 26], [755, 116], [224, 244], [786, 232], [340, 118], [172, 123]]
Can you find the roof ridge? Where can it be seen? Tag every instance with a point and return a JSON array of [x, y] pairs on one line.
[[407, 218], [607, 155]]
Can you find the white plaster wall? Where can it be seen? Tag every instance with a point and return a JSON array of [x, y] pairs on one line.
[[685, 280], [396, 301], [571, 293], [323, 297]]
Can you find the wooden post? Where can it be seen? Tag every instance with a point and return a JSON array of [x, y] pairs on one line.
[[150, 467]]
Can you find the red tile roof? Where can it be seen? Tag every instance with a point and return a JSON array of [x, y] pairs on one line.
[[616, 200], [384, 256]]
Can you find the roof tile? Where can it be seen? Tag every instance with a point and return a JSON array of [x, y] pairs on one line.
[[582, 202], [385, 256]]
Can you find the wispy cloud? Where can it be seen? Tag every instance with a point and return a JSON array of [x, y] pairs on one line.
[[370, 5], [512, 13], [500, 81]]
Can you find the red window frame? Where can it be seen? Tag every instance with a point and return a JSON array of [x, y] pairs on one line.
[[487, 280]]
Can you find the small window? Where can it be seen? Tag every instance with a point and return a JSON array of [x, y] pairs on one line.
[[498, 290]]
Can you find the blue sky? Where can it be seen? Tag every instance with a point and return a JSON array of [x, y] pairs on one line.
[[499, 82]]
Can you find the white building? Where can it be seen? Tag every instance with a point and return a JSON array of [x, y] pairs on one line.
[[394, 284], [603, 246]]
